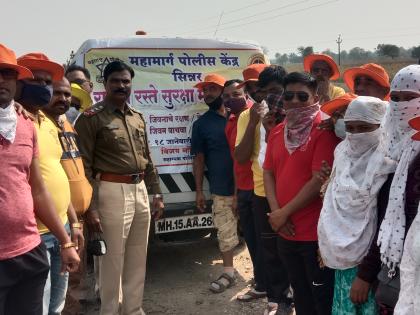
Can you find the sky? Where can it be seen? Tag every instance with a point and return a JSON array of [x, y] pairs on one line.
[[57, 27]]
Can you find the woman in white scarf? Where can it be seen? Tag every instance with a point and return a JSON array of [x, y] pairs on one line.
[[404, 105], [348, 219]]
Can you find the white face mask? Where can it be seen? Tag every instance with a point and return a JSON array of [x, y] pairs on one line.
[[340, 128], [402, 112], [359, 143]]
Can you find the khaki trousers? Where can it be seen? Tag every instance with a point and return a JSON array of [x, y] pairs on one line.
[[125, 218]]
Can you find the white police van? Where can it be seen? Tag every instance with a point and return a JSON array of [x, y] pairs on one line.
[[166, 69]]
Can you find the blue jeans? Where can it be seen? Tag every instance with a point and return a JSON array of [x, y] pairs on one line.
[[56, 286]]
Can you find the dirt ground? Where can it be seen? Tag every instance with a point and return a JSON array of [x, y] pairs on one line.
[[178, 277]]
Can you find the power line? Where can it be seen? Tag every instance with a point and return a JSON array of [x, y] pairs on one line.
[[216, 16], [254, 15], [276, 16]]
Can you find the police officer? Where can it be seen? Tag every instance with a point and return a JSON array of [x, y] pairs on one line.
[[114, 147]]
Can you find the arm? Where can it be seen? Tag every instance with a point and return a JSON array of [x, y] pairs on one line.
[[151, 179], [45, 211], [270, 189], [198, 171], [246, 137], [86, 131], [308, 193], [76, 229]]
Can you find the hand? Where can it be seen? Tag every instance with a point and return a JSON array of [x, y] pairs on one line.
[[235, 206], [255, 113], [200, 201], [78, 238], [324, 172], [288, 229], [323, 89], [327, 124], [277, 219], [158, 208], [359, 291], [93, 221], [69, 260], [269, 120], [21, 111]]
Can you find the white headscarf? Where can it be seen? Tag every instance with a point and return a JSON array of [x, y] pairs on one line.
[[8, 122], [348, 219], [402, 149]]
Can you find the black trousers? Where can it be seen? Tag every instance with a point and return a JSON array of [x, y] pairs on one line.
[[277, 281], [248, 222], [22, 281], [313, 286]]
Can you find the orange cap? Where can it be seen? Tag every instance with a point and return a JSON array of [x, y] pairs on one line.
[[310, 59], [8, 60], [415, 124], [344, 100], [211, 78], [371, 70], [251, 73], [38, 61]]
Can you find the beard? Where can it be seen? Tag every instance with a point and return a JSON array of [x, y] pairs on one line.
[[216, 103]]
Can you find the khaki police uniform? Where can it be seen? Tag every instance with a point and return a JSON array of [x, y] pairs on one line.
[[117, 162]]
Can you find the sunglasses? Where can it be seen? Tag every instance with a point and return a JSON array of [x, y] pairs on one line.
[[302, 96], [8, 74]]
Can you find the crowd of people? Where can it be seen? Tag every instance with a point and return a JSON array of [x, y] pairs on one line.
[[323, 183]]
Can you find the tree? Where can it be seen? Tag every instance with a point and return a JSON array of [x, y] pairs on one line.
[[281, 59], [388, 50], [358, 54], [293, 58], [305, 51], [415, 52]]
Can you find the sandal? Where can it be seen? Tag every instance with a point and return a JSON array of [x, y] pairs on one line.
[[222, 286], [251, 295]]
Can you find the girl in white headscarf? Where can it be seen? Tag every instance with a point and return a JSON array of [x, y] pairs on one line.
[[348, 219], [403, 197]]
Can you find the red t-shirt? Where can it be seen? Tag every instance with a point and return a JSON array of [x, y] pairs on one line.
[[243, 172], [18, 231], [293, 171]]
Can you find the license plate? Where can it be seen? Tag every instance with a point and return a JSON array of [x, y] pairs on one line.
[[191, 222]]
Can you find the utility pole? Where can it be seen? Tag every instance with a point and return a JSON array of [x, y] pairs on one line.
[[339, 41], [218, 24]]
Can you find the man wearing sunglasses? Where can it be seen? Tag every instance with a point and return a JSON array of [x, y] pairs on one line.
[[251, 145], [295, 151]]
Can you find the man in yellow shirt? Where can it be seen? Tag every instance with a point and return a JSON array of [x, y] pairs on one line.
[[34, 94], [251, 145], [324, 69]]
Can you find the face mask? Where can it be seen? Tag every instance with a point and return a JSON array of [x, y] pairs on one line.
[[35, 95], [274, 101], [216, 104], [362, 142], [340, 128], [236, 104], [301, 115], [402, 112]]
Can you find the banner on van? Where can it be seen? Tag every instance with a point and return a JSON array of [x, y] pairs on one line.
[[163, 91]]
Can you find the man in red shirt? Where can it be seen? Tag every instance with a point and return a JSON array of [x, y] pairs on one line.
[[23, 260], [295, 151], [235, 101]]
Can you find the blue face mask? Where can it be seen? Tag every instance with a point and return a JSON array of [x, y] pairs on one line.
[[35, 95]]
